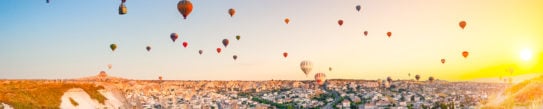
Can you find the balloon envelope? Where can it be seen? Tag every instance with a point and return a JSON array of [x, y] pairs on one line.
[[185, 44], [462, 24], [231, 11], [320, 78], [238, 37], [218, 50], [109, 66], [148, 48], [235, 57], [417, 77], [306, 67], [442, 61], [389, 34], [200, 52], [340, 22], [285, 54], [174, 36], [113, 47], [365, 33], [122, 9], [185, 8], [465, 54], [287, 20], [225, 42], [358, 8]]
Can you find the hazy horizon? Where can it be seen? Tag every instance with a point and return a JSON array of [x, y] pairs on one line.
[[70, 39]]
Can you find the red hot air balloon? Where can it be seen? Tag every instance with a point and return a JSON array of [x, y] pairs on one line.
[[442, 61], [287, 20], [184, 7], [285, 54], [465, 54], [340, 22], [219, 50], [365, 33], [225, 42], [231, 11], [174, 36], [185, 44], [320, 78], [389, 34], [462, 24]]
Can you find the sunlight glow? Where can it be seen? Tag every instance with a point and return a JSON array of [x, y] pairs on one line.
[[526, 54]]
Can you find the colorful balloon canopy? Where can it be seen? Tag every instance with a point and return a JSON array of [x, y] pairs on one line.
[[122, 9], [225, 42], [287, 20], [285, 54], [340, 22], [113, 47], [306, 67], [465, 54], [462, 24], [231, 11], [185, 8], [219, 50], [148, 48], [185, 44], [174, 36], [443, 61], [320, 78]]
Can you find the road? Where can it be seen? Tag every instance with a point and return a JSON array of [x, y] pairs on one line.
[[336, 99]]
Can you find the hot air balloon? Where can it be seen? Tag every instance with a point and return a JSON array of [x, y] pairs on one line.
[[160, 78], [109, 66], [306, 67], [462, 24], [122, 9], [465, 54], [389, 34], [185, 44], [225, 42], [174, 36], [358, 8], [340, 22], [231, 11], [389, 79], [365, 33], [123, 1], [329, 68], [409, 74], [148, 48], [47, 1], [184, 7], [200, 52], [238, 37], [287, 20], [431, 79], [442, 61], [285, 54], [113, 47], [218, 50], [320, 78], [235, 57], [417, 77]]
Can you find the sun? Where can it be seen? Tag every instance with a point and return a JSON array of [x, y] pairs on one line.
[[526, 54]]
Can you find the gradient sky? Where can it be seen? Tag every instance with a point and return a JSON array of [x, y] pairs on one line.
[[70, 39]]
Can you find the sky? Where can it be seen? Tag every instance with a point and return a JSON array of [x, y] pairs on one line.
[[71, 38]]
